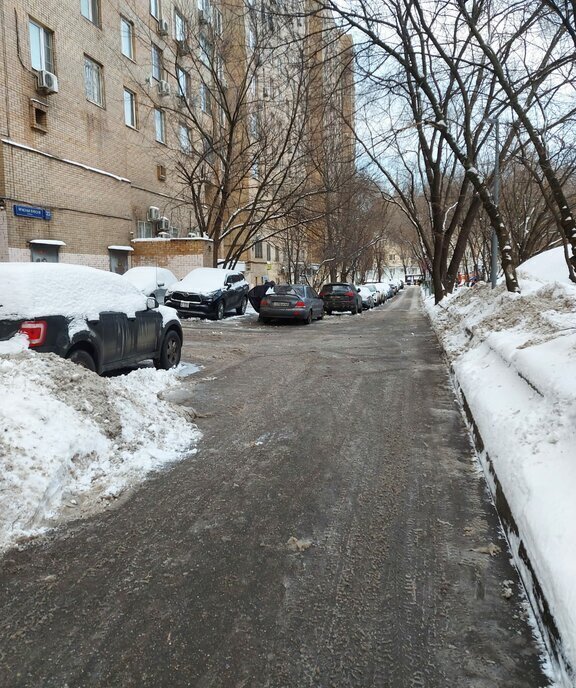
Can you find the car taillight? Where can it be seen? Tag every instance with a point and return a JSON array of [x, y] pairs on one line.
[[35, 330], [299, 304], [265, 302], [349, 293]]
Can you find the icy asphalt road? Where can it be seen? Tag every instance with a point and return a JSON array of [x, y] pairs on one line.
[[343, 435]]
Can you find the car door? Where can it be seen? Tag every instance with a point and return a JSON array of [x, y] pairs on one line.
[[317, 304], [148, 332], [116, 336]]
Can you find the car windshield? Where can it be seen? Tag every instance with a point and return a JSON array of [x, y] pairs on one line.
[[284, 289]]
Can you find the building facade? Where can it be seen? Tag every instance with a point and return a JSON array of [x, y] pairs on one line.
[[113, 121]]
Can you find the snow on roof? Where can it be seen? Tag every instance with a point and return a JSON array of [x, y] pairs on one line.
[[31, 290], [120, 248]]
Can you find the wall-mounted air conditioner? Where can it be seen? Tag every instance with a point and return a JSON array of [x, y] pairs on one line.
[[163, 27], [163, 225], [163, 88], [47, 82], [153, 214]]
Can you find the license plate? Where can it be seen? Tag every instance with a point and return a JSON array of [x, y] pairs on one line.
[[281, 304], [184, 304]]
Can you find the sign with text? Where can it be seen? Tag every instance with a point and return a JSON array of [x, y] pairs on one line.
[[31, 211]]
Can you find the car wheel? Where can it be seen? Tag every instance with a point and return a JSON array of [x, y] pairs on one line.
[[242, 307], [321, 316], [309, 318], [328, 311], [219, 311], [83, 358], [170, 351]]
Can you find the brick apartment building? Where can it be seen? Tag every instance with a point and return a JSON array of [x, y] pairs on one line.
[[99, 109]]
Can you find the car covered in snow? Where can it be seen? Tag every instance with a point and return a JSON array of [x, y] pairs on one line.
[[367, 296], [209, 292], [89, 316], [150, 280]]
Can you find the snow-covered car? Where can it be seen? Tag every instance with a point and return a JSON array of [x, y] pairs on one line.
[[210, 292], [377, 294], [150, 280], [367, 296], [92, 317]]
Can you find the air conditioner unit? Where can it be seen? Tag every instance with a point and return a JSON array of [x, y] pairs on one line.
[[47, 82], [163, 235], [153, 214], [163, 88], [163, 225], [192, 234], [174, 232], [163, 27]]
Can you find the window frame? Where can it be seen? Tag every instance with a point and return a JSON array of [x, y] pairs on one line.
[[155, 9], [133, 124], [157, 62], [94, 11], [258, 250], [183, 79], [185, 145], [99, 71], [129, 35], [180, 25], [45, 47], [160, 126]]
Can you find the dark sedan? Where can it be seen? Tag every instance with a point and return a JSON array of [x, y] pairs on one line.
[[91, 317], [341, 296], [291, 302]]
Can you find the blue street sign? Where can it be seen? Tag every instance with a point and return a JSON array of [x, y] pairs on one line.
[[30, 211]]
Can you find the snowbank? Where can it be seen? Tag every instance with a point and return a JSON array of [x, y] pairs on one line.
[[514, 356], [71, 442]]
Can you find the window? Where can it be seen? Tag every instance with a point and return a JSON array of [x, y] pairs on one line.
[[217, 21], [159, 126], [184, 138], [93, 83], [38, 115], [204, 5], [277, 258], [183, 83], [127, 37], [268, 252], [258, 250], [157, 63], [144, 230], [179, 26], [205, 49], [130, 108], [91, 10], [204, 98], [155, 8], [41, 47], [220, 70]]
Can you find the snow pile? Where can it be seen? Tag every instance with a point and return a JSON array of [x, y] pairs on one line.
[[514, 356], [71, 442]]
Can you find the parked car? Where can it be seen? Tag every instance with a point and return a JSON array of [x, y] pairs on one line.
[[367, 296], [377, 294], [341, 296], [386, 289], [293, 302], [92, 317], [150, 280], [210, 292]]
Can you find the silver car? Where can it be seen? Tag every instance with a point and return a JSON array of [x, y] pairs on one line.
[[291, 302]]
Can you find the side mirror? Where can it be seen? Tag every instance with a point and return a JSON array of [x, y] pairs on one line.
[[358, 290], [151, 303]]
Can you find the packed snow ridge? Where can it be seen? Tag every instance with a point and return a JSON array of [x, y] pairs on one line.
[[514, 357]]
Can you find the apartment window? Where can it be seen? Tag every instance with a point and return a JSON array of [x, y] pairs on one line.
[[205, 49], [157, 68], [217, 21], [159, 125], [204, 98], [220, 70], [144, 230], [277, 258], [179, 26], [41, 47], [184, 138], [93, 82], [130, 108], [91, 10], [183, 83], [155, 8], [127, 37], [268, 252], [204, 5], [258, 250]]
